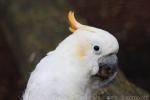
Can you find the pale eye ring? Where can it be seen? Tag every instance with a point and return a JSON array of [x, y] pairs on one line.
[[97, 49]]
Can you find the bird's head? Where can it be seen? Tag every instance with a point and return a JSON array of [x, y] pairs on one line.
[[93, 48]]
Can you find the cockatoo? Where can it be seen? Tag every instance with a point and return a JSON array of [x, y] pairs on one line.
[[83, 61]]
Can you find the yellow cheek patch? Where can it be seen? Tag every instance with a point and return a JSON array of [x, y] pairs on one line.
[[83, 48]]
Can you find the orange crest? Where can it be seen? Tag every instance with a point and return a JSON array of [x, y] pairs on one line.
[[74, 24]]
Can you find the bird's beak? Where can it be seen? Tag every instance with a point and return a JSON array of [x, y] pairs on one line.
[[107, 69]]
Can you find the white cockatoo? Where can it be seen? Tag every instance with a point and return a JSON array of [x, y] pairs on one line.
[[83, 61]]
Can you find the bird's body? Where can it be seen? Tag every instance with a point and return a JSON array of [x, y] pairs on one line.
[[65, 73], [56, 81]]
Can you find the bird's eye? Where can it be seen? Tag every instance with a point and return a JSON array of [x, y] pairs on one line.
[[96, 49]]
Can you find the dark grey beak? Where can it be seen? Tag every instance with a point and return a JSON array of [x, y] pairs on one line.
[[107, 67]]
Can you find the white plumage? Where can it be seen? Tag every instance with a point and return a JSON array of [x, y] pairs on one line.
[[66, 73]]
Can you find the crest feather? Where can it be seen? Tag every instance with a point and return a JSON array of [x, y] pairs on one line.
[[74, 24]]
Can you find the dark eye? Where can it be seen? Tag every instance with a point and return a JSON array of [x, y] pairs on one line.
[[96, 49]]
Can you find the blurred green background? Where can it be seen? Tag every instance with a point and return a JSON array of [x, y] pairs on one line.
[[31, 28]]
